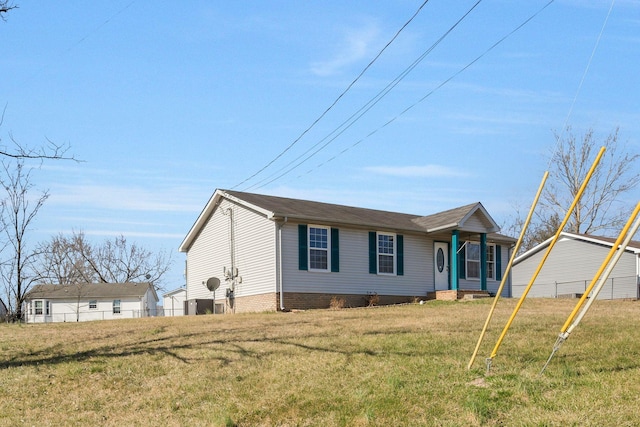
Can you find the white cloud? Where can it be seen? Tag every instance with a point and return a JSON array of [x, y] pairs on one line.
[[356, 46], [123, 198], [430, 171]]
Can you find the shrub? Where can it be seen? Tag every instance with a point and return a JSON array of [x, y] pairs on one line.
[[337, 303], [372, 299]]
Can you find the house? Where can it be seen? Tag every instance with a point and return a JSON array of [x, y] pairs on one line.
[[173, 302], [90, 301], [272, 253], [571, 265]]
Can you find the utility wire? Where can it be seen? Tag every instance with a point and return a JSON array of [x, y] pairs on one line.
[[369, 104], [586, 70], [336, 100], [83, 38], [489, 49], [584, 75]]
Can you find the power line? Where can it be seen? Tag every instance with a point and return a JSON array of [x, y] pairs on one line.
[[367, 106], [443, 83], [337, 99], [83, 38], [586, 70]]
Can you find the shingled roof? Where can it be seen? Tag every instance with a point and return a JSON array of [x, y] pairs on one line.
[[274, 207], [282, 207], [90, 290]]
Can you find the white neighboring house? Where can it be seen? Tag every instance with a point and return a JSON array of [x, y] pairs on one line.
[[173, 302], [571, 265], [90, 301]]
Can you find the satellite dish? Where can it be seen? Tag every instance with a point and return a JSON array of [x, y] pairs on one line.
[[213, 283]]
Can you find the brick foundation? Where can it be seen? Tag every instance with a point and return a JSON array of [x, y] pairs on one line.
[[250, 304], [453, 295], [307, 301]]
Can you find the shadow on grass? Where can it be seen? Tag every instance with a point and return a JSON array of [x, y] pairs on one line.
[[173, 345]]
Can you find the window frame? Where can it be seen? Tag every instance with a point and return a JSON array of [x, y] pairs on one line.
[[326, 250], [490, 258], [38, 307], [117, 306], [393, 255], [93, 304]]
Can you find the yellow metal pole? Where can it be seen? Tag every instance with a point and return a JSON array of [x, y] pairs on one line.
[[546, 255], [507, 270], [613, 250], [601, 277]]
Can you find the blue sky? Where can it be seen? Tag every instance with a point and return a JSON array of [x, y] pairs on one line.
[[165, 102]]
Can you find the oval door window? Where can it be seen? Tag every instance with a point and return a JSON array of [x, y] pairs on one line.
[[440, 260]]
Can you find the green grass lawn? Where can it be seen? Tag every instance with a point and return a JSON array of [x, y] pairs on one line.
[[383, 366]]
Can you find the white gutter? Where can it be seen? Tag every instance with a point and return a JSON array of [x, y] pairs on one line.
[[280, 281]]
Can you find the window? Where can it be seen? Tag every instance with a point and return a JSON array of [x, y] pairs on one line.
[[93, 304], [38, 305], [319, 248], [116, 306], [386, 253], [473, 261], [47, 305], [491, 262]]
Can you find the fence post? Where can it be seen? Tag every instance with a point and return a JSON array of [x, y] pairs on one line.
[[612, 288]]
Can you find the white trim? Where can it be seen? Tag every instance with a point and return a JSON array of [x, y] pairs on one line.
[[327, 249], [468, 243], [394, 255]]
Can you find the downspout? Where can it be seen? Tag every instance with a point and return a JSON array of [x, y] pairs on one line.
[[280, 281]]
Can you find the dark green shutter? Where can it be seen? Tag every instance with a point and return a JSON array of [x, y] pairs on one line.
[[373, 263], [462, 262], [498, 262], [335, 251], [400, 258], [303, 263]]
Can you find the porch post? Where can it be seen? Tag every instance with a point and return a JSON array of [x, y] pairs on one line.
[[483, 261], [453, 269]]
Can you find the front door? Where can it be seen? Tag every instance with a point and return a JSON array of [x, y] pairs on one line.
[[441, 265]]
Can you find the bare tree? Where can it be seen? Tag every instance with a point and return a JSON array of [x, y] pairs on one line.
[[74, 260], [6, 6], [601, 208], [63, 260], [48, 151], [18, 212]]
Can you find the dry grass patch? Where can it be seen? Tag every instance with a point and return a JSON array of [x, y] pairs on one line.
[[403, 365]]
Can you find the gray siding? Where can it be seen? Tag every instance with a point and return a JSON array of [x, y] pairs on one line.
[[254, 244], [570, 268], [354, 276], [476, 223]]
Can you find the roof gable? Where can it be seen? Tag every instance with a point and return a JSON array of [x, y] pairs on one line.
[[473, 217]]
